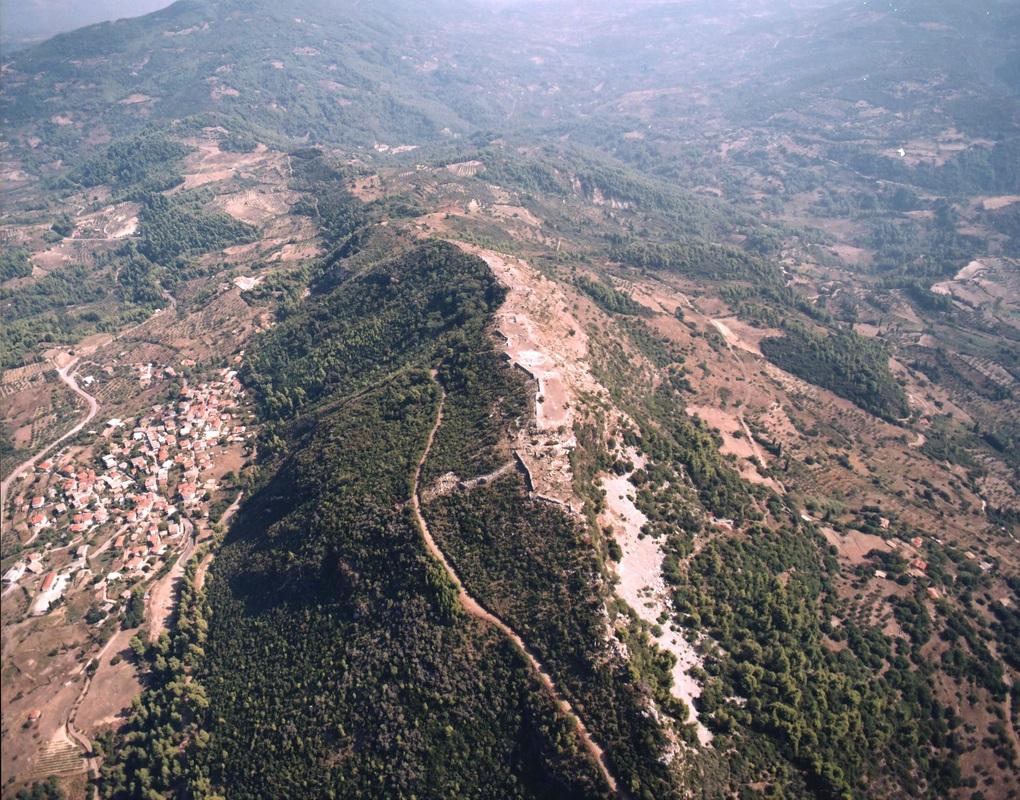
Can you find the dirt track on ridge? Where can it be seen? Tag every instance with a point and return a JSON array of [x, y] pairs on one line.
[[476, 610]]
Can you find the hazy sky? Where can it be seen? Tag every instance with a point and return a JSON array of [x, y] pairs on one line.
[[33, 20]]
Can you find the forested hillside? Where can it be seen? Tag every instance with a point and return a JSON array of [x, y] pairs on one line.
[[845, 363], [336, 660], [548, 400], [402, 311], [285, 72]]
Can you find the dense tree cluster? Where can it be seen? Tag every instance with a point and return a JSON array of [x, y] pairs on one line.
[[486, 402], [842, 716], [128, 161], [791, 689], [337, 661], [745, 275], [395, 312], [170, 229], [845, 363], [1007, 628], [152, 756], [238, 142], [46, 310], [674, 440], [138, 280], [528, 562], [974, 170], [119, 288], [695, 258], [363, 98], [46, 790], [612, 300], [14, 263]]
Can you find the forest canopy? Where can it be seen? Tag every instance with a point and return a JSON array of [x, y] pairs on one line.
[[845, 363]]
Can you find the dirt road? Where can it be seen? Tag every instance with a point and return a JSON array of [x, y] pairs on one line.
[[79, 738], [66, 375], [161, 595], [231, 510], [91, 761], [476, 610]]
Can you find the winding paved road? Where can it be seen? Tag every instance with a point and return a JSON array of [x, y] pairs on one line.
[[66, 376], [475, 609]]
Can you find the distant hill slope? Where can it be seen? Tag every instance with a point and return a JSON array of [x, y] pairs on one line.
[[350, 76], [399, 73], [26, 22]]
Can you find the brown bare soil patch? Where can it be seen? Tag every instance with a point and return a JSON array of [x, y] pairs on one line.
[[208, 163], [296, 252], [113, 222], [113, 687], [55, 257], [257, 206], [742, 334], [736, 441], [850, 254], [368, 188], [547, 342], [995, 203], [465, 169], [35, 681], [855, 545], [219, 91], [518, 213]]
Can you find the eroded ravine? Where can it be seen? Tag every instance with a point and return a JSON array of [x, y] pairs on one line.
[[476, 610]]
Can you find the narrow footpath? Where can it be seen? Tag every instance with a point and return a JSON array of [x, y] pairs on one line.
[[80, 739], [476, 610]]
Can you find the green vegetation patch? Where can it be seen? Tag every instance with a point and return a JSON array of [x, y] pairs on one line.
[[129, 161], [170, 229], [612, 300], [325, 592], [397, 312], [695, 258], [843, 717], [843, 362], [147, 759], [531, 565], [337, 662], [63, 306], [14, 263], [675, 440], [486, 402]]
